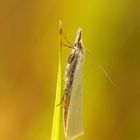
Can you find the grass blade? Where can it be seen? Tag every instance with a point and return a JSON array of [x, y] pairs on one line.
[[57, 109]]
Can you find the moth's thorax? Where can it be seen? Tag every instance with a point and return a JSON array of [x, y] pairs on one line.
[[77, 53]]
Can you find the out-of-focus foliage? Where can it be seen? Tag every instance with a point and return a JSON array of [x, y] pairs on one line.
[[29, 60]]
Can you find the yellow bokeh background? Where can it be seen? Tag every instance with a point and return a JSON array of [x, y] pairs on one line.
[[29, 62]]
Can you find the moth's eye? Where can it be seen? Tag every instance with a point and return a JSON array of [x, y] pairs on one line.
[[80, 46], [75, 45]]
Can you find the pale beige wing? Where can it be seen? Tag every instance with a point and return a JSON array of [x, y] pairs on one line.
[[74, 121]]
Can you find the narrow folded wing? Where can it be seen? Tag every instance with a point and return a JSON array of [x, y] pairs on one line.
[[74, 120]]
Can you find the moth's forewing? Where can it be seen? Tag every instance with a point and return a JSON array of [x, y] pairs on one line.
[[74, 127], [73, 91]]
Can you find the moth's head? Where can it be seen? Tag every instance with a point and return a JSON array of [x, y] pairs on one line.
[[78, 40]]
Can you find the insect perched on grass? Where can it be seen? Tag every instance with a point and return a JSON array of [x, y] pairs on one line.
[[73, 88]]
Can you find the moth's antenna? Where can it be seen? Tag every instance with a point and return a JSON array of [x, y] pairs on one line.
[[100, 66]]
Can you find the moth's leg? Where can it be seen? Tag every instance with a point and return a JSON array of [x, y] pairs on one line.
[[69, 46], [65, 94], [62, 34], [61, 101]]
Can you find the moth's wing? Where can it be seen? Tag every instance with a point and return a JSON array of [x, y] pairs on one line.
[[74, 121]]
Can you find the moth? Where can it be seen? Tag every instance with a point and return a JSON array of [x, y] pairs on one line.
[[73, 90], [73, 87]]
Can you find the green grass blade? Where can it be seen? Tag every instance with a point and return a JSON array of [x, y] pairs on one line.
[[57, 109]]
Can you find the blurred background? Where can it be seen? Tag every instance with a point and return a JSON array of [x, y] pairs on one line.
[[29, 61]]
